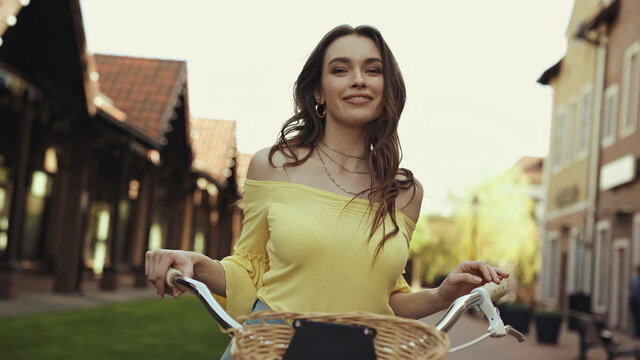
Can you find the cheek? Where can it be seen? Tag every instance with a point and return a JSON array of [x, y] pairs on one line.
[[378, 86], [332, 91]]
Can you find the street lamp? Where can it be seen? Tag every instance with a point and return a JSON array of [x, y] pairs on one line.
[[474, 221]]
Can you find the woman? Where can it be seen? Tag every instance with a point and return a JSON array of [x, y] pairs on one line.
[[328, 212]]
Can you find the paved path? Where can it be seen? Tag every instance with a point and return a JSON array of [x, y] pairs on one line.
[[507, 348], [36, 297]]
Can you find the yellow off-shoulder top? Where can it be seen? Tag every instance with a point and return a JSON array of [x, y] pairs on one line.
[[305, 249]]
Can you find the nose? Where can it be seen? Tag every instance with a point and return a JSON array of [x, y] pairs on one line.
[[358, 80]]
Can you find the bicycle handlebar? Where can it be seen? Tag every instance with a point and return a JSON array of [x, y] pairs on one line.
[[482, 296], [174, 278]]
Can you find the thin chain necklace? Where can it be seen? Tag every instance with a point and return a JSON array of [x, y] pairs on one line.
[[342, 167], [341, 153], [334, 180]]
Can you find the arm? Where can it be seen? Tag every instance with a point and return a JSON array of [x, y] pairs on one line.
[[417, 305], [467, 276], [202, 268], [464, 278], [191, 264]]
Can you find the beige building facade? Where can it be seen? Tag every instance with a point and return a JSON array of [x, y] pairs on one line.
[[564, 238], [591, 244]]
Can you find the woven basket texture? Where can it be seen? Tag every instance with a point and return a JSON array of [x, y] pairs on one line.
[[396, 339]]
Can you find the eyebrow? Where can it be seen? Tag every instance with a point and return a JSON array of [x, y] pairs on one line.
[[347, 60]]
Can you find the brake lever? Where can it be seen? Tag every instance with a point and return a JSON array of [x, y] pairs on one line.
[[515, 333]]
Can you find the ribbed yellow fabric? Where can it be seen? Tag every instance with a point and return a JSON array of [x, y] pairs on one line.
[[304, 249]]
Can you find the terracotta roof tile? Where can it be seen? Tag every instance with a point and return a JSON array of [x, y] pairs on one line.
[[8, 8], [242, 165], [532, 167], [145, 89], [214, 144]]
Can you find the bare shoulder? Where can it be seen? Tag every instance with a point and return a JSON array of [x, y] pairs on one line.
[[260, 168], [409, 200]]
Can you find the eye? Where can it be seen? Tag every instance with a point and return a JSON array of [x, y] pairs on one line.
[[375, 70], [338, 71]]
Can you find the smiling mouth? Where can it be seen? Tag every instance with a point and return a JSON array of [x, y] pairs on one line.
[[358, 99]]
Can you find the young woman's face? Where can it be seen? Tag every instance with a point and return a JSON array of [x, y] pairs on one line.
[[352, 81]]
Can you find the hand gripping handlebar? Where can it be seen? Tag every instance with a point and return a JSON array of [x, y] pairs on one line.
[[482, 296], [174, 278]]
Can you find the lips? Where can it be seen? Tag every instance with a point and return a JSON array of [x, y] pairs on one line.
[[358, 98]]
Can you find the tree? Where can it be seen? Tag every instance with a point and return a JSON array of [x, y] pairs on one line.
[[501, 226], [434, 247], [498, 227]]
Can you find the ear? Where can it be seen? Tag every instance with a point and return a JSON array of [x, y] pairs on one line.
[[319, 96]]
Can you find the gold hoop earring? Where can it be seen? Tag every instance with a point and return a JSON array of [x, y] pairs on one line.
[[324, 111]]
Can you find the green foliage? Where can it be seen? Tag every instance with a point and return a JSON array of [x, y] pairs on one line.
[[547, 313], [505, 230], [421, 237], [498, 228], [434, 242], [179, 329]]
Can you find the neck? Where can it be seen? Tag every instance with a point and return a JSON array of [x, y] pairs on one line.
[[345, 139]]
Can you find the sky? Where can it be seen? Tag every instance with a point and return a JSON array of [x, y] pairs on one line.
[[470, 67]]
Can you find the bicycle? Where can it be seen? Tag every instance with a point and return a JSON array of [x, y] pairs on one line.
[[357, 335]]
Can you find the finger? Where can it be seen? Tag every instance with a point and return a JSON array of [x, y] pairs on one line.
[[503, 274], [494, 275], [152, 261], [159, 273], [465, 278], [166, 261], [484, 269], [177, 293]]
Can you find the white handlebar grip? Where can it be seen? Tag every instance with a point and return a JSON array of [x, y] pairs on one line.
[[169, 277], [496, 291]]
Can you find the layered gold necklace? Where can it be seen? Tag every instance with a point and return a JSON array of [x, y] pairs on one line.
[[341, 153], [324, 165], [340, 165]]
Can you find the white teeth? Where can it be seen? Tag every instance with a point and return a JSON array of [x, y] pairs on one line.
[[358, 98]]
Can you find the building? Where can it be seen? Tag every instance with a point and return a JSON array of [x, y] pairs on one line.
[[216, 158], [617, 231], [569, 190], [96, 159], [601, 262]]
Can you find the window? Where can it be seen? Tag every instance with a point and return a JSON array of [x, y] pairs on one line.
[[557, 142], [5, 204], [35, 216], [585, 123], [576, 260], [603, 244], [552, 263], [610, 115], [630, 90], [635, 235], [570, 128]]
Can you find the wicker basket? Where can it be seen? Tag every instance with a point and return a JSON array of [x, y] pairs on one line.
[[397, 338]]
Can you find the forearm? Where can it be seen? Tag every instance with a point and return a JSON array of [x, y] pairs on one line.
[[210, 272], [417, 305]]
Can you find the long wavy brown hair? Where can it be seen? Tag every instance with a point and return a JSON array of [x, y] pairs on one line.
[[305, 129]]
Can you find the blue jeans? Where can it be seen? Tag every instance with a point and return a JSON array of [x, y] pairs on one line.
[[257, 306]]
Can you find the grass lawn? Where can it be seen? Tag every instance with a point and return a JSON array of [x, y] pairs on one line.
[[151, 329]]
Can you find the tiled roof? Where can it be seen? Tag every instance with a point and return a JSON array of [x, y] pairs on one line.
[[242, 165], [214, 146], [532, 167], [9, 9], [145, 89]]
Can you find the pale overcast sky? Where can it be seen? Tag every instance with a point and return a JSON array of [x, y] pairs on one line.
[[473, 105]]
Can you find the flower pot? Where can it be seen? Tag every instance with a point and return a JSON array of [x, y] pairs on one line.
[[517, 315], [520, 319], [548, 328]]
